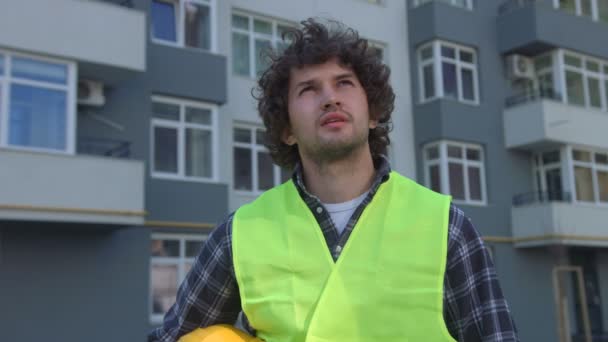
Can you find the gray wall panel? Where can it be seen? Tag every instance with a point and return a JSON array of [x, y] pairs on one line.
[[66, 284]]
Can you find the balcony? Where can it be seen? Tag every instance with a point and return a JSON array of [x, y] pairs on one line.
[[537, 120], [68, 188], [541, 219], [106, 39], [530, 27]]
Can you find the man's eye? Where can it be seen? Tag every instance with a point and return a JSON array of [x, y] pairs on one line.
[[345, 82], [305, 89]]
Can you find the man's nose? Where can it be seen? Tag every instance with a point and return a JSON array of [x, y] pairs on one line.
[[330, 99]]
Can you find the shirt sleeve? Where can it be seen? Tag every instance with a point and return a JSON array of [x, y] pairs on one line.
[[475, 308], [209, 294]]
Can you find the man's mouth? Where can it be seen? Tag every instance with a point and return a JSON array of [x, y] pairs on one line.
[[333, 119]]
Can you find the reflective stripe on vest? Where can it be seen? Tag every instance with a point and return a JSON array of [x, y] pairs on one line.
[[387, 285]]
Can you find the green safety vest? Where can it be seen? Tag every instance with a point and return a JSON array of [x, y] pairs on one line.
[[387, 284]]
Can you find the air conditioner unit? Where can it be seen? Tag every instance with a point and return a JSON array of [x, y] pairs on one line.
[[519, 66], [90, 93]]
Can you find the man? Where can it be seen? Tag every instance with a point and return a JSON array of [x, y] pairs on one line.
[[346, 250]]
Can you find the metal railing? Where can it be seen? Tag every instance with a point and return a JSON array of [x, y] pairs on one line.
[[531, 96], [104, 147], [511, 5], [541, 197]]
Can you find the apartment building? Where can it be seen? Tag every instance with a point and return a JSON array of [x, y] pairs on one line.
[[127, 131], [510, 106]]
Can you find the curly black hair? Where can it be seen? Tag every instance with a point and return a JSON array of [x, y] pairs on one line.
[[312, 44]]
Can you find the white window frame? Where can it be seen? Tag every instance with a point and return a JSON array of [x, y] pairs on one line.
[[274, 38], [579, 8], [590, 165], [468, 3], [253, 148], [180, 261], [436, 60], [70, 88], [180, 30], [181, 126], [444, 177], [374, 44], [601, 76]]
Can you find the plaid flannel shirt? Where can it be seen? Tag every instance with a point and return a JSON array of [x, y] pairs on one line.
[[474, 306]]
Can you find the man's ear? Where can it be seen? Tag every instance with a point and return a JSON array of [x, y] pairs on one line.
[[288, 138], [373, 124]]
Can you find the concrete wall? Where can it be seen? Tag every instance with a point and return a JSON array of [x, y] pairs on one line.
[[60, 283]]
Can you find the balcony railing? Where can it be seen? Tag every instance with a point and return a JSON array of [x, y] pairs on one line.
[[104, 147], [528, 198], [511, 5], [532, 96]]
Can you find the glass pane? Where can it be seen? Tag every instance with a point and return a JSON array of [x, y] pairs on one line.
[[261, 26], [242, 169], [574, 84], [164, 248], [434, 175], [602, 9], [265, 171], [165, 149], [197, 25], [37, 117], [601, 158], [193, 247], [432, 153], [165, 111], [240, 54], [198, 115], [602, 182], [466, 56], [454, 151], [164, 282], [240, 22], [456, 173], [1, 65], [473, 154], [39, 71], [378, 52], [260, 136], [447, 51], [595, 95], [468, 92], [568, 5], [553, 178], [584, 184], [285, 175], [429, 81], [449, 80], [542, 62], [474, 183], [163, 20], [262, 60], [242, 135], [426, 53], [551, 157], [282, 29], [572, 60], [581, 155], [593, 66], [586, 7], [198, 153]]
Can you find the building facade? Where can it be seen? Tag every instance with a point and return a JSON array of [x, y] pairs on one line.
[[510, 110]]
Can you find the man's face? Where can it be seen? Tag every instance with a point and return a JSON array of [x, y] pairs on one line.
[[328, 112]]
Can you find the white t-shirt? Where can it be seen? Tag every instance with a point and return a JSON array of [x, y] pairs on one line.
[[341, 212]]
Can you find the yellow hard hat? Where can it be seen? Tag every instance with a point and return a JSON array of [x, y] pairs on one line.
[[218, 333]]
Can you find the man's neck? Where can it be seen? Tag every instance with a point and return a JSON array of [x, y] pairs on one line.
[[341, 180]]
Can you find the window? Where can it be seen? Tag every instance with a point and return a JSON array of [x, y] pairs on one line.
[[590, 175], [468, 4], [37, 103], [548, 176], [586, 81], [447, 71], [184, 139], [379, 49], [171, 257], [456, 169], [185, 23], [252, 37], [594, 9], [253, 168]]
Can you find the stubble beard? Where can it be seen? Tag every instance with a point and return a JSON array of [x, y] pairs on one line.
[[328, 151]]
